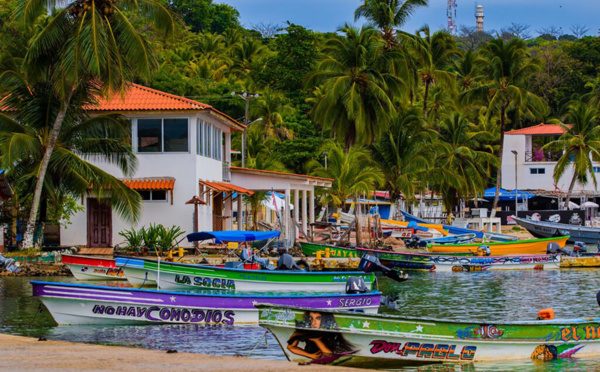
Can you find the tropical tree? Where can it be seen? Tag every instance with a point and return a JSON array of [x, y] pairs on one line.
[[505, 66], [353, 172], [355, 102], [388, 15], [270, 106], [24, 135], [581, 144], [404, 154], [255, 201], [466, 71], [461, 167], [259, 154], [84, 40]]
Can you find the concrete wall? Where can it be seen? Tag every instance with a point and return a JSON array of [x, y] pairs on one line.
[[187, 169]]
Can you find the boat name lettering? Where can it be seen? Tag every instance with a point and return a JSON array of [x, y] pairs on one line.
[[205, 282], [168, 314], [99, 271], [252, 277], [434, 351], [283, 316], [348, 302], [344, 278], [573, 334], [115, 272]]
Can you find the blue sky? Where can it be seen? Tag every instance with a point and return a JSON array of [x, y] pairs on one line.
[[328, 15]]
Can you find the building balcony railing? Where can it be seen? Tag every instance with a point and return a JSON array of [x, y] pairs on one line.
[[226, 171], [540, 156]]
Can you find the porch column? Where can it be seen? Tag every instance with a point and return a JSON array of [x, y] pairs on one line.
[[240, 225], [297, 205], [311, 205], [304, 210], [285, 218], [228, 211]]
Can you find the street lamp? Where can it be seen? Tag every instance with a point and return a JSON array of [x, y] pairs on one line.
[[246, 96], [516, 188]]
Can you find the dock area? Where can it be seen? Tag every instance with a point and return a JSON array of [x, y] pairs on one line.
[[28, 354]]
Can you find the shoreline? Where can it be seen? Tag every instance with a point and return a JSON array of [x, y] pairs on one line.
[[21, 353]]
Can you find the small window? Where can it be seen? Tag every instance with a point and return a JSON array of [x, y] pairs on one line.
[[176, 135], [145, 194], [149, 135], [153, 195], [537, 170], [596, 169]]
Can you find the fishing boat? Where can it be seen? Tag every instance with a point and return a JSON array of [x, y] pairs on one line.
[[452, 239], [544, 229], [440, 263], [519, 247], [92, 268], [88, 304], [496, 237], [451, 229], [382, 341], [311, 249]]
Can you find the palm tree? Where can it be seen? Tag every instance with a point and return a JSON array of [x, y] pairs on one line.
[[433, 54], [271, 106], [258, 151], [85, 40], [581, 144], [25, 133], [255, 201], [356, 100], [461, 167], [404, 154], [353, 172], [466, 70], [505, 66], [246, 54], [387, 15]]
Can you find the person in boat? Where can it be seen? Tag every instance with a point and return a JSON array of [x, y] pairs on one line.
[[318, 344]]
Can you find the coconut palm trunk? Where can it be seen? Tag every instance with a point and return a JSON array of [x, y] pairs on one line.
[[37, 195], [571, 186]]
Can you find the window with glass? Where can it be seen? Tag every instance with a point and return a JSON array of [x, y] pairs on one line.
[[153, 195], [162, 135], [537, 171], [209, 140]]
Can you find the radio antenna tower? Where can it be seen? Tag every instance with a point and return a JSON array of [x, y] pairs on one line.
[[451, 14]]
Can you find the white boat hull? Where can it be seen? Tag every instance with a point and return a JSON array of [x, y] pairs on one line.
[[87, 272]]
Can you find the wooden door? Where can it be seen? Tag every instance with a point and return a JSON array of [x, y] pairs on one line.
[[99, 222]]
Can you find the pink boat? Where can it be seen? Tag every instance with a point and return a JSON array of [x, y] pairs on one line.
[[93, 268]]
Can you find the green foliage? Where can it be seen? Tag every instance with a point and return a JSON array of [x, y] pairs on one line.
[[155, 237], [204, 16], [133, 238]]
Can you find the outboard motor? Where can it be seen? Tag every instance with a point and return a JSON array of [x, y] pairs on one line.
[[370, 264], [554, 248], [286, 262], [356, 284], [413, 242], [579, 248], [246, 254], [598, 298], [9, 264], [483, 250]]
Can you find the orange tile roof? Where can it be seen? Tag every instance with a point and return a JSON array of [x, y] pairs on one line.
[[281, 174], [159, 183], [539, 130], [226, 187], [139, 98]]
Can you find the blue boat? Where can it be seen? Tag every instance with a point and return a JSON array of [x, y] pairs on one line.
[[451, 229]]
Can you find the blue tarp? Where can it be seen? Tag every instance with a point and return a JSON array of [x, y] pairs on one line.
[[232, 236], [506, 195], [451, 229]]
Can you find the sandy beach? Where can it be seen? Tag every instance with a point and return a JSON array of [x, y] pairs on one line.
[[29, 354]]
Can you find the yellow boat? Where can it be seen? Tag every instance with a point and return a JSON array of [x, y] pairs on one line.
[[433, 226], [589, 261], [530, 246]]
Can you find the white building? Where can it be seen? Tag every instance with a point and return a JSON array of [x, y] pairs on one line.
[[534, 165], [183, 149]]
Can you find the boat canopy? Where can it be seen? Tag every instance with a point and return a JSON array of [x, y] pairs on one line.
[[232, 236], [506, 195]]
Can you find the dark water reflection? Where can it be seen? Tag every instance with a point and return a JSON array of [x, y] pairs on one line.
[[495, 296]]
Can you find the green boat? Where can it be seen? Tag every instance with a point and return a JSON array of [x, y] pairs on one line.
[[311, 249], [380, 341]]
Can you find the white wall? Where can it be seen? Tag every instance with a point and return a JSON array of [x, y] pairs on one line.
[[187, 169], [528, 181]]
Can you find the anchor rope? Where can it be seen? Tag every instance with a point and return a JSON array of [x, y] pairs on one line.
[[259, 340]]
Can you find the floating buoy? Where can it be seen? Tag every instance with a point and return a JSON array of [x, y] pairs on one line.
[[546, 314]]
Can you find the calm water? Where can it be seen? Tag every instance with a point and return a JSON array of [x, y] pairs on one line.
[[481, 296]]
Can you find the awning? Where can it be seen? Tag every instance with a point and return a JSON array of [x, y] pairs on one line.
[[154, 183], [226, 187], [506, 195], [232, 236]]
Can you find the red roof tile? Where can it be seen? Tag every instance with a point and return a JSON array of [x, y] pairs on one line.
[[225, 187], [159, 183], [539, 130]]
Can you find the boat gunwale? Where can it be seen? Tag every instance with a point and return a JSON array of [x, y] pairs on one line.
[[442, 255], [526, 241]]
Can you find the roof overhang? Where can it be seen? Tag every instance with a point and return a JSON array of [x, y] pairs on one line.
[[151, 183], [226, 187], [266, 176]]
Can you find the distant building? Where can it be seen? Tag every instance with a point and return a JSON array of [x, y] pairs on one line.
[[479, 18]]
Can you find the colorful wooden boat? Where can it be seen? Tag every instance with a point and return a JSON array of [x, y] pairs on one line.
[[581, 261], [178, 276], [519, 247], [380, 341], [92, 268], [311, 249], [544, 229], [439, 263], [452, 239], [87, 304]]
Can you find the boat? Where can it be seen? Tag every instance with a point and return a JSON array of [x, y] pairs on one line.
[[385, 341], [92, 268], [545, 229], [311, 249], [519, 247], [452, 239], [451, 229], [89, 304], [440, 263], [496, 237], [580, 261], [178, 276]]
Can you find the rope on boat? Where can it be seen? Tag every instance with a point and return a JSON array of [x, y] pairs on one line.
[[259, 340]]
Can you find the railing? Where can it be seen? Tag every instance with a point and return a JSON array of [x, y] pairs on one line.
[[540, 156], [226, 171]]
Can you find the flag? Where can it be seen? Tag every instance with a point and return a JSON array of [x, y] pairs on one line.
[[275, 203]]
